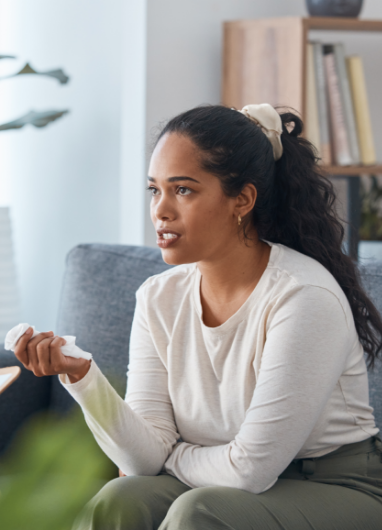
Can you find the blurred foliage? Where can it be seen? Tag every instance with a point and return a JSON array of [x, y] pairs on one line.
[[53, 468], [371, 217]]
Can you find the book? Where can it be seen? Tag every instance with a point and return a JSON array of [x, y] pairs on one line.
[[341, 148], [361, 109], [322, 102], [339, 54], [312, 119]]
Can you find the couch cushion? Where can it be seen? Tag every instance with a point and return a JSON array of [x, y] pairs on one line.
[[97, 306], [26, 396]]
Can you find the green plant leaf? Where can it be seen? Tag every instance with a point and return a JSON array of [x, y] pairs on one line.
[[371, 217], [52, 470]]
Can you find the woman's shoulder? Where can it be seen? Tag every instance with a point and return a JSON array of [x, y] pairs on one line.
[[170, 281], [296, 270]]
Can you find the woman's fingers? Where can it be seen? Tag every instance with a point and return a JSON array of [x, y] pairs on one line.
[[21, 347], [43, 350], [33, 361], [57, 358]]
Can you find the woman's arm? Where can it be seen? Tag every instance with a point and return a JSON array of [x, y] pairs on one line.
[[304, 355], [137, 434]]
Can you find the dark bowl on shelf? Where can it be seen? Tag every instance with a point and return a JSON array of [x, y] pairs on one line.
[[334, 8]]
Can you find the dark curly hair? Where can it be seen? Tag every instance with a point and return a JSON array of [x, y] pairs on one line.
[[295, 205]]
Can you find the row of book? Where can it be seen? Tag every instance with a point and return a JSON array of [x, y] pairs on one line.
[[337, 114]]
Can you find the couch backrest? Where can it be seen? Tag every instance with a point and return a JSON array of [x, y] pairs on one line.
[[98, 301], [97, 306]]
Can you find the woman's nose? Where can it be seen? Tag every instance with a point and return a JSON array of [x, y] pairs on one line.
[[163, 209]]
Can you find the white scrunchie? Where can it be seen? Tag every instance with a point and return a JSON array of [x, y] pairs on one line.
[[268, 119]]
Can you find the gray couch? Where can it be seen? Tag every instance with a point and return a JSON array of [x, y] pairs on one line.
[[97, 306]]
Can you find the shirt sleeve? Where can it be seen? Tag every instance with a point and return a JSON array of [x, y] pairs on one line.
[[307, 343], [137, 433]]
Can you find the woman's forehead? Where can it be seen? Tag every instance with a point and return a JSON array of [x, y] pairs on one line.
[[175, 143], [175, 154]]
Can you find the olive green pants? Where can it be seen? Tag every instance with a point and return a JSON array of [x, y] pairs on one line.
[[339, 491]]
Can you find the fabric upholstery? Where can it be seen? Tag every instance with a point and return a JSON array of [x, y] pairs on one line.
[[97, 306], [26, 396], [371, 276]]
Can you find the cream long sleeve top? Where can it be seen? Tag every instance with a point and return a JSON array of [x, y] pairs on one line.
[[282, 378]]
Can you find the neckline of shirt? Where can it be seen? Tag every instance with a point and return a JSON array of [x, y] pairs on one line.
[[241, 313]]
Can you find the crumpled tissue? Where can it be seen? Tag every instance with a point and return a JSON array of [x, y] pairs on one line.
[[69, 349]]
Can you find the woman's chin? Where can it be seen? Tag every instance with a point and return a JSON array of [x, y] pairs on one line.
[[173, 256]]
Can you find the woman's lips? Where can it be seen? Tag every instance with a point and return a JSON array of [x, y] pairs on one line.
[[165, 243]]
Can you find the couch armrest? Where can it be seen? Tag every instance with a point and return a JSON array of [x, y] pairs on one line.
[[27, 395], [375, 392]]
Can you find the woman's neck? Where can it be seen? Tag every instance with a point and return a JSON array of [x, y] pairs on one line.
[[228, 280]]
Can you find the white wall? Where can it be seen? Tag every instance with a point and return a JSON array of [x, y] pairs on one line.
[[133, 121], [62, 182]]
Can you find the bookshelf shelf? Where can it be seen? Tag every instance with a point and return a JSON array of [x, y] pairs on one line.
[[353, 171], [341, 24]]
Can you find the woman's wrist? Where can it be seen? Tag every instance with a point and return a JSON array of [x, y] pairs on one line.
[[79, 374]]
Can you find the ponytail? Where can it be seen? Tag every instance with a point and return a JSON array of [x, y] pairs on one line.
[[296, 201]]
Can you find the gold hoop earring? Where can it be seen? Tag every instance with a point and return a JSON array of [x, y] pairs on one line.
[[239, 220]]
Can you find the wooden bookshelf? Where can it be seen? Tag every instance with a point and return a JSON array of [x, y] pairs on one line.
[[341, 24], [264, 60], [353, 171]]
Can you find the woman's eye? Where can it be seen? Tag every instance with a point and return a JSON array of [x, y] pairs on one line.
[[184, 191], [152, 189]]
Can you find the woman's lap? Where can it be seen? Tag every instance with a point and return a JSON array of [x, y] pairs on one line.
[[288, 505], [163, 502], [136, 503]]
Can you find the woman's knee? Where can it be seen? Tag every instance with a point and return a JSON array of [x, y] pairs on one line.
[[217, 508], [121, 503], [194, 509], [123, 492]]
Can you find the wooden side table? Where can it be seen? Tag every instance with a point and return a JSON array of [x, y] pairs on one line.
[[8, 376]]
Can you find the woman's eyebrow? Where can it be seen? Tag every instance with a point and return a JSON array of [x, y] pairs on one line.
[[174, 179]]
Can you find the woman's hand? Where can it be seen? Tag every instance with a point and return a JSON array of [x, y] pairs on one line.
[[121, 473], [42, 355]]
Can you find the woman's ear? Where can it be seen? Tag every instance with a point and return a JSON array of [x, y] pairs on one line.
[[246, 200]]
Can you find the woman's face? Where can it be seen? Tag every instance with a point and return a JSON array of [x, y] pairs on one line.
[[194, 220]]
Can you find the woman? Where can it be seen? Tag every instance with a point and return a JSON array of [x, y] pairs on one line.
[[247, 400]]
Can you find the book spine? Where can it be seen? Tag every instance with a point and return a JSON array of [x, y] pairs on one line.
[[326, 156], [361, 109], [312, 118], [339, 53], [337, 117]]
